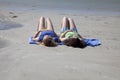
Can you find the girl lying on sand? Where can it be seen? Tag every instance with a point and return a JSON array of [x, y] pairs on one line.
[[45, 33], [69, 35]]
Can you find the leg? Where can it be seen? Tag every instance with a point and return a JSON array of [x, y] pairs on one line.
[[41, 24], [65, 24], [49, 24], [72, 25]]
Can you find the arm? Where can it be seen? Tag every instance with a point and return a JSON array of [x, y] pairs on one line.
[[35, 38], [81, 38], [62, 39], [36, 34], [62, 36]]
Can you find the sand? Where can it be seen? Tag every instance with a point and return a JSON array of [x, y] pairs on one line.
[[20, 60]]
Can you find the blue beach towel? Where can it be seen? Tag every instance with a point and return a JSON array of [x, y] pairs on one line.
[[31, 41], [89, 42], [92, 42]]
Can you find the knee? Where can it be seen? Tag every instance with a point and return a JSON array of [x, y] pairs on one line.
[[47, 18], [42, 18], [70, 19], [65, 19]]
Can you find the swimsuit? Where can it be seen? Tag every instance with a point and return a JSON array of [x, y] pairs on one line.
[[66, 28], [71, 34], [49, 33]]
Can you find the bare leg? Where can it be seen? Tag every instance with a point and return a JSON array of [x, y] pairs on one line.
[[65, 22], [49, 24], [41, 24], [72, 24]]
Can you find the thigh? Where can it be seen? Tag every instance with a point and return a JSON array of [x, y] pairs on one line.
[[74, 29], [63, 29]]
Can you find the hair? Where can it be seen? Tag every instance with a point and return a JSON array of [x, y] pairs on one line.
[[74, 42], [49, 42]]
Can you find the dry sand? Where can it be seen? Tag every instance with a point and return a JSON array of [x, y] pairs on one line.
[[20, 60]]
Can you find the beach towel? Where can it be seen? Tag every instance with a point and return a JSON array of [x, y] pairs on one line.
[[92, 42], [31, 41], [89, 42]]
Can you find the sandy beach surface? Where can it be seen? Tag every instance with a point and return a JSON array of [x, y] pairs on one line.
[[20, 60]]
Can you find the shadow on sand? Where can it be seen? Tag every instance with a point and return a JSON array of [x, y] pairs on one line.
[[6, 25]]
